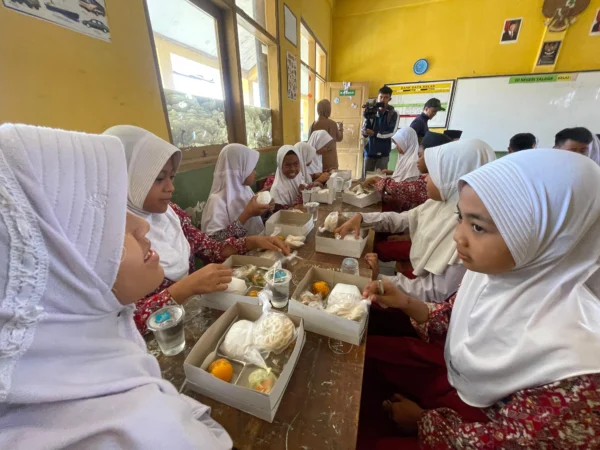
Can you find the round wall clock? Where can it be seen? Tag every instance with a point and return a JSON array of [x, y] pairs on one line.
[[421, 66]]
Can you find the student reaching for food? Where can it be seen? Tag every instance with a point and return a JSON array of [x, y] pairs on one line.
[[521, 336], [151, 165]]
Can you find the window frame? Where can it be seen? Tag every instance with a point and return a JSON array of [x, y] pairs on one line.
[[311, 66], [225, 13]]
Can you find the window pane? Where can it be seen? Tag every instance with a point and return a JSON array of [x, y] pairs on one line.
[[305, 102], [254, 56], [304, 50], [190, 68], [262, 11], [321, 62], [320, 92]]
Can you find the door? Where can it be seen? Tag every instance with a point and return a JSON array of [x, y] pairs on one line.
[[346, 107]]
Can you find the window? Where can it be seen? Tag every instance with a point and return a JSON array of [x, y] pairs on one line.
[[191, 72], [214, 94], [313, 77]]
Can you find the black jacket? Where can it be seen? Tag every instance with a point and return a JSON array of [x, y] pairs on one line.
[[384, 125]]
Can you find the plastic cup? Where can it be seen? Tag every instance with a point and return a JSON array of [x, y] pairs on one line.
[[313, 208], [278, 281], [167, 326], [338, 184], [306, 196], [350, 266]]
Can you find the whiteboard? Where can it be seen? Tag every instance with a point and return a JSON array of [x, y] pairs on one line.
[[408, 100], [494, 110]]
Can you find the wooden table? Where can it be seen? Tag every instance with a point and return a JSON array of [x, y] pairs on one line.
[[320, 407]]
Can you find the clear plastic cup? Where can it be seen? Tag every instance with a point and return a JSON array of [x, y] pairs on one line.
[[338, 184], [278, 281], [350, 266], [306, 196], [167, 326], [313, 208]]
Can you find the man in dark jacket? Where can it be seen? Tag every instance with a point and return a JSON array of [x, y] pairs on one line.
[[378, 130], [430, 110]]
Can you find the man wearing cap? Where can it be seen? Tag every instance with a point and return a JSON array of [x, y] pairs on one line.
[[430, 109]]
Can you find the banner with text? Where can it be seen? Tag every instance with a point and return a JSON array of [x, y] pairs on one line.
[[409, 99]]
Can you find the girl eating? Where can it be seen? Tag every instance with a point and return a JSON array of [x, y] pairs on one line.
[[232, 209], [74, 371], [407, 143], [521, 335], [152, 164], [433, 252]]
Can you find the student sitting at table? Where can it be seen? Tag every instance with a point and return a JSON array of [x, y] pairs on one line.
[[232, 209], [521, 336], [152, 164], [75, 372], [322, 142], [407, 143], [289, 181], [403, 195], [576, 140], [522, 141], [433, 253]]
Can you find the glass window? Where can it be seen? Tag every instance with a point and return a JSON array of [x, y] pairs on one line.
[[321, 61], [305, 103], [254, 55], [190, 68], [320, 91], [262, 11]]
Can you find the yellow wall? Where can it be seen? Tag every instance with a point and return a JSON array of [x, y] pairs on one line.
[[379, 41], [318, 16], [56, 77]]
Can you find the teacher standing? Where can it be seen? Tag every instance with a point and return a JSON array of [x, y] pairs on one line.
[[335, 130]]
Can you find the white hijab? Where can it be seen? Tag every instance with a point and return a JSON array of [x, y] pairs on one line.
[[318, 140], [594, 151], [308, 154], [228, 195], [74, 371], [285, 191], [432, 224], [539, 322], [146, 155], [406, 167]]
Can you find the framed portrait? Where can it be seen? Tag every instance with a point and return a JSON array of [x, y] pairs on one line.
[[290, 25], [549, 53], [595, 31], [511, 31]]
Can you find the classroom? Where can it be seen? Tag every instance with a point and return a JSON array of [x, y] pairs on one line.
[[299, 224]]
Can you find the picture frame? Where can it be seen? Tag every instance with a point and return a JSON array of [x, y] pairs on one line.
[[292, 76], [595, 28], [549, 53], [290, 25], [511, 31]]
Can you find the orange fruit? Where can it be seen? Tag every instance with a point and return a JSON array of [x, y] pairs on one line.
[[321, 287], [253, 293], [281, 238], [222, 369]]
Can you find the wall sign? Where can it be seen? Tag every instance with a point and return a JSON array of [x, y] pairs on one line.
[[348, 93], [550, 78], [84, 16]]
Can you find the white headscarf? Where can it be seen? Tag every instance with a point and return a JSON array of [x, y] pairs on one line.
[[406, 167], [539, 322], [228, 195], [308, 154], [594, 151], [146, 155], [318, 140], [74, 371], [432, 224], [285, 191]]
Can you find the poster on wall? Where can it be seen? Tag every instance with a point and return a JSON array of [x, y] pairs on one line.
[[292, 76], [511, 30], [596, 24], [84, 16], [549, 53], [408, 100]]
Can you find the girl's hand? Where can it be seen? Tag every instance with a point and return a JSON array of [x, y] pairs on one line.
[[370, 182], [392, 297], [352, 224], [387, 172], [211, 278], [373, 262], [267, 243], [254, 209]]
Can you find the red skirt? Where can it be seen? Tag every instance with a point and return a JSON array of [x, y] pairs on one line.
[[413, 368]]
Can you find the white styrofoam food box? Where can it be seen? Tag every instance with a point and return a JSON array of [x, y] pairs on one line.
[[322, 322], [326, 195], [345, 174], [361, 202], [327, 243], [290, 223], [224, 300], [261, 405]]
